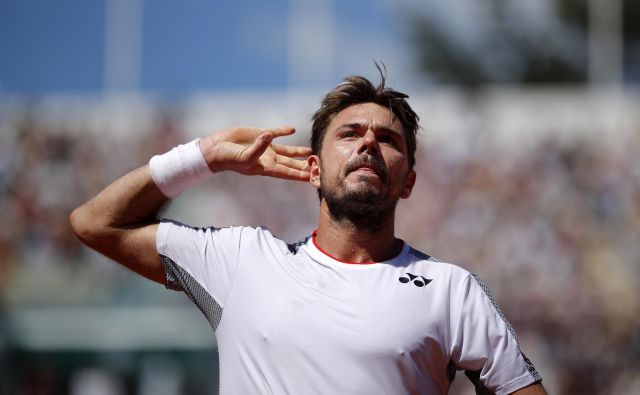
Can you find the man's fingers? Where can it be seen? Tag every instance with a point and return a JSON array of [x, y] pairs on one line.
[[291, 151], [253, 152], [281, 131], [292, 163], [287, 173]]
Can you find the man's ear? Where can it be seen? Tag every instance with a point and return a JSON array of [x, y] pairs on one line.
[[408, 184], [314, 170]]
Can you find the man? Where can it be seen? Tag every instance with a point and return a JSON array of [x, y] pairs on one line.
[[351, 309]]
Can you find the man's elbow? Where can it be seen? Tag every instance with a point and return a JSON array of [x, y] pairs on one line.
[[85, 225]]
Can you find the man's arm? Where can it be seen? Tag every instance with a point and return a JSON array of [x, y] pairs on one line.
[[120, 222], [534, 389]]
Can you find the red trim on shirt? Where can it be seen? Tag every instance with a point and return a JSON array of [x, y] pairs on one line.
[[313, 238]]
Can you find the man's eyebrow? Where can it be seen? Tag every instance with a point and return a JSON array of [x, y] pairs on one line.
[[353, 125], [389, 129], [357, 125]]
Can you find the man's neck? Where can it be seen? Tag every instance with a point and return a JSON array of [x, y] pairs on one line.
[[346, 242]]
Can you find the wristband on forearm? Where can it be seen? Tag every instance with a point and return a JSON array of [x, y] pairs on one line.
[[179, 169]]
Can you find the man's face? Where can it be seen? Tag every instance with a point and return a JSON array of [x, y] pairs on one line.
[[363, 168]]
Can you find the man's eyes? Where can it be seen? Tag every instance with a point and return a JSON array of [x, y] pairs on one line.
[[387, 140], [348, 133], [382, 139]]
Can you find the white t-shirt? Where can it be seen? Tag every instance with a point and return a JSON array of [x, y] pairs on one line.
[[290, 319]]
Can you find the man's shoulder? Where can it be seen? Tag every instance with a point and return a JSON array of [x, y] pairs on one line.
[[241, 234], [213, 228], [295, 247], [436, 264]]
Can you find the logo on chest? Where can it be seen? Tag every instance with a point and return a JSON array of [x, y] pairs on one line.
[[418, 281]]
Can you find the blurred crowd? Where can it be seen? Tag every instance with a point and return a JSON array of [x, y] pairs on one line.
[[553, 227], [47, 169]]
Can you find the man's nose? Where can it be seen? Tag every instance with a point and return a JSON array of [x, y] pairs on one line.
[[368, 143]]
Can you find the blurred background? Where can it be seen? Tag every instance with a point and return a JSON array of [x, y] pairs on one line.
[[528, 167]]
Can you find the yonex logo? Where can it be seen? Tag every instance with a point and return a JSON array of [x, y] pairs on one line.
[[418, 281]]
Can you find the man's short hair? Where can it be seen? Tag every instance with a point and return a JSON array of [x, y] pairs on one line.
[[356, 90]]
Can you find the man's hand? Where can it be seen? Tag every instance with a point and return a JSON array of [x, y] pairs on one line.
[[250, 151]]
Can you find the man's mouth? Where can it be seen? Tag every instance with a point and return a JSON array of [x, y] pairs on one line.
[[367, 167]]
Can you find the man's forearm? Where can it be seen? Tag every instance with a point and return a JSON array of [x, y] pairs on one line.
[[130, 200]]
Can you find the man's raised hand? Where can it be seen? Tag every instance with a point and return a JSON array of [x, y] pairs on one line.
[[250, 151]]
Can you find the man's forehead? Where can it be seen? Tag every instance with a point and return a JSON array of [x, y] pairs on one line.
[[370, 114]]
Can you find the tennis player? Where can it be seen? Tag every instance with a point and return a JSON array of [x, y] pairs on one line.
[[349, 309]]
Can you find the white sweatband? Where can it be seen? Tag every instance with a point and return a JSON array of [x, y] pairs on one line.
[[179, 169]]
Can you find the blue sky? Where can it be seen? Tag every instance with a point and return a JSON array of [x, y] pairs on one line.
[[187, 45], [184, 46]]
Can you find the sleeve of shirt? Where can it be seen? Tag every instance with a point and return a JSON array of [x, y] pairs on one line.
[[485, 345], [202, 262]]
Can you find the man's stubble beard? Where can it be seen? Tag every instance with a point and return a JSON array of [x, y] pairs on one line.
[[363, 207]]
